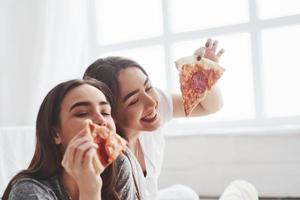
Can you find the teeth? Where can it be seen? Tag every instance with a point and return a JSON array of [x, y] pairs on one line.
[[150, 116]]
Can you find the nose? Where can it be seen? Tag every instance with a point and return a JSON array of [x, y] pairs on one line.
[[150, 101], [99, 119]]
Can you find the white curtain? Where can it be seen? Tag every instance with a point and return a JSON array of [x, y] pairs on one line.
[[42, 42]]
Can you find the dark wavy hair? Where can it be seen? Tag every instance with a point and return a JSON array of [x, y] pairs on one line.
[[47, 158]]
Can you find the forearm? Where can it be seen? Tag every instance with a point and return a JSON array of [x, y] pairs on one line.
[[211, 104]]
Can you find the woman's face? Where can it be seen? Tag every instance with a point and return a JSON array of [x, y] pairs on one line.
[[82, 103], [137, 105]]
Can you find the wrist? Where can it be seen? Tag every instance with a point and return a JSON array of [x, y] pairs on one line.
[[90, 190], [90, 196]]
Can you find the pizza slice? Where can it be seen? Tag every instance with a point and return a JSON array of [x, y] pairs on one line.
[[111, 145], [196, 80]]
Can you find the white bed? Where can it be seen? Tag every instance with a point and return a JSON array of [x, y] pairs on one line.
[[16, 150], [208, 162]]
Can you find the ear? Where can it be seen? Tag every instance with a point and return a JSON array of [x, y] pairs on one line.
[[57, 137]]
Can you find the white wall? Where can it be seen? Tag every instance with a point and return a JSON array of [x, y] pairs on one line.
[[208, 162]]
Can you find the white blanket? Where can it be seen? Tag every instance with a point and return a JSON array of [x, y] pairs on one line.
[[16, 150], [239, 190]]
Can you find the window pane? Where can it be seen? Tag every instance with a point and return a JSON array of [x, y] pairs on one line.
[[194, 14], [281, 69], [236, 83], [151, 58], [120, 21], [277, 8]]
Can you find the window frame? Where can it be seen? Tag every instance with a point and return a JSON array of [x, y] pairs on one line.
[[254, 27]]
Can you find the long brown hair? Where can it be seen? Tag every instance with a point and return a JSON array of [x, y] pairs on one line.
[[46, 161]]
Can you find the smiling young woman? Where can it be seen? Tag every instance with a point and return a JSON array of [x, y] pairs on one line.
[[62, 166]]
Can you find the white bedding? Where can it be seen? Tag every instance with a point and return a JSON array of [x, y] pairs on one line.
[[16, 150]]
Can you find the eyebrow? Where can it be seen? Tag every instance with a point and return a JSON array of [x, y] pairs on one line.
[[86, 103], [134, 91]]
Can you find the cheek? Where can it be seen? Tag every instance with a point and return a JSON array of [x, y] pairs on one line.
[[70, 129], [129, 117], [111, 125]]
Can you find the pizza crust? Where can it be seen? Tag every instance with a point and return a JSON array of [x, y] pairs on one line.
[[191, 61]]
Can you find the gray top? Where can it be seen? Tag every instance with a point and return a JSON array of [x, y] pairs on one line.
[[52, 188]]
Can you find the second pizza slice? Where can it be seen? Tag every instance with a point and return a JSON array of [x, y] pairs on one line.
[[196, 80]]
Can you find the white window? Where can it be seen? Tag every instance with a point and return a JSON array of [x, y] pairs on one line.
[[261, 40]]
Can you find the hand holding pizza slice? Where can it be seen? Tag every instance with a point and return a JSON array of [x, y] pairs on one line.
[[196, 80], [110, 145]]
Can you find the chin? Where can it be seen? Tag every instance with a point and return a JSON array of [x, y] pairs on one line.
[[152, 127]]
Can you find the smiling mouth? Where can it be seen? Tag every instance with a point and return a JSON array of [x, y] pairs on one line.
[[151, 117]]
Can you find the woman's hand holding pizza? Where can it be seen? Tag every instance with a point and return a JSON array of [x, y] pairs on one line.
[[197, 78], [78, 162]]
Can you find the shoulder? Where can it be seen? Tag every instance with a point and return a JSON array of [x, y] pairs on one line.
[[165, 105], [29, 188], [123, 165], [164, 97], [125, 183]]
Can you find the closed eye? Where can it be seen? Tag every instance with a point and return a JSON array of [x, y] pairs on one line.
[[106, 113], [81, 114], [148, 88], [133, 102]]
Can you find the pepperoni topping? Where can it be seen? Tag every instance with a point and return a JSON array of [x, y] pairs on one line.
[[101, 151], [199, 81]]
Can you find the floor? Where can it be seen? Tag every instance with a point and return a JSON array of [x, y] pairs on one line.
[[214, 198]]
